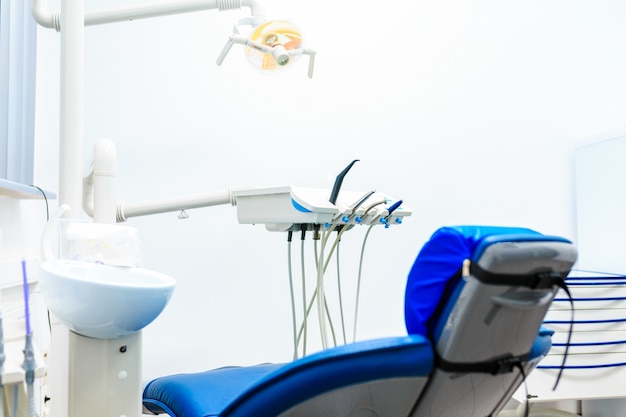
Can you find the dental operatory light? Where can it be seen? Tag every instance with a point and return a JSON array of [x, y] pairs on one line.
[[270, 44]]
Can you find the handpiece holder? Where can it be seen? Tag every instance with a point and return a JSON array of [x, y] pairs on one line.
[[339, 181]]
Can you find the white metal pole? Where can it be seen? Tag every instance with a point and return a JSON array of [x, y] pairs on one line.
[[71, 96], [70, 174]]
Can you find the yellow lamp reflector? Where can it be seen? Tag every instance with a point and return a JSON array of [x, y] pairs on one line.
[[275, 33]]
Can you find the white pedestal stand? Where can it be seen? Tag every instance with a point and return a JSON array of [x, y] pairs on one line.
[[105, 376]]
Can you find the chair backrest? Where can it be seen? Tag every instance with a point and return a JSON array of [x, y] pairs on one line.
[[487, 321]]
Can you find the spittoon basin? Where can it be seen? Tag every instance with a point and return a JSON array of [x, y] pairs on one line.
[[100, 301]]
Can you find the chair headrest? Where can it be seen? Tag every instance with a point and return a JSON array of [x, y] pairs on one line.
[[440, 260]]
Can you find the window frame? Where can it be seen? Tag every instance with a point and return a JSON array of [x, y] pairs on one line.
[[18, 54]]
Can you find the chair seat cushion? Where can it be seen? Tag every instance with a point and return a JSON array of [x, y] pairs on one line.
[[239, 391]]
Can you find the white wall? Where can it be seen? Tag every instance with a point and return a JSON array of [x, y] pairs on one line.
[[469, 111], [600, 204]]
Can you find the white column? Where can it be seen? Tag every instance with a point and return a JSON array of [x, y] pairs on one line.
[[70, 174], [71, 117]]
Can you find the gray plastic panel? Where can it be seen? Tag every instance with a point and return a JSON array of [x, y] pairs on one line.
[[387, 398]]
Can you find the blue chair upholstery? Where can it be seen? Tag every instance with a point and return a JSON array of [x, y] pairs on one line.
[[469, 330], [270, 389]]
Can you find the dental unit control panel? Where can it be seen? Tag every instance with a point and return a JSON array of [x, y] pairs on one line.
[[295, 208], [289, 208]]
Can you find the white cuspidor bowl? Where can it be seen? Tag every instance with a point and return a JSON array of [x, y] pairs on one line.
[[100, 301]]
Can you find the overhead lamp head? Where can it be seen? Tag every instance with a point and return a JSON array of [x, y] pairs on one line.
[[270, 45], [282, 37]]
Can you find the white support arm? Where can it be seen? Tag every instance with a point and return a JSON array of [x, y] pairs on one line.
[[124, 211], [52, 19], [163, 205]]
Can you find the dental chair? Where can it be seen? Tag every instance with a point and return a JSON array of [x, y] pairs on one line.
[[474, 303]]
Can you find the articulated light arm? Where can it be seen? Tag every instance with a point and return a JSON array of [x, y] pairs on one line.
[[311, 54], [52, 19]]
